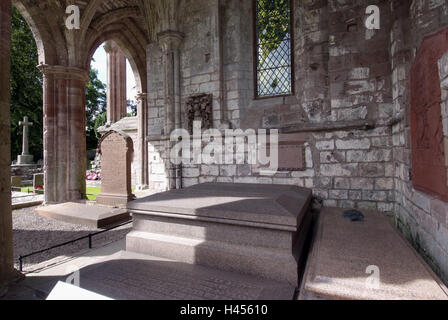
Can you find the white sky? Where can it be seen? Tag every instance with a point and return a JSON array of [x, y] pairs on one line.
[[99, 62]]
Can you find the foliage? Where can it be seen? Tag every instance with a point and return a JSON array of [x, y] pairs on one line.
[[273, 24], [131, 108], [100, 121], [26, 88], [95, 108]]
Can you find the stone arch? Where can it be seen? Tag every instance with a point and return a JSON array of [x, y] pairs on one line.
[[138, 67], [50, 42], [119, 25]]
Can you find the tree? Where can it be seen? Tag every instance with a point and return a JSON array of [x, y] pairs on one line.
[[131, 107], [95, 108], [26, 88], [273, 24]]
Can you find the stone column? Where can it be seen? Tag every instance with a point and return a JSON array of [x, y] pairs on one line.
[[64, 133], [142, 114], [170, 42], [6, 249], [116, 82]]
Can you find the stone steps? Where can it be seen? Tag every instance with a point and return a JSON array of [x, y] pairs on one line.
[[252, 260]]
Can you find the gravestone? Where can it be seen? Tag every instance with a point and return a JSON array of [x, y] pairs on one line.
[[38, 182], [16, 183], [116, 149], [25, 157]]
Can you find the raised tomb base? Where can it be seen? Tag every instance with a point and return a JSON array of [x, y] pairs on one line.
[[248, 228]]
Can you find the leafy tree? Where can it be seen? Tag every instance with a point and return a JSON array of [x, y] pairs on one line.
[[95, 108], [273, 24], [131, 107], [100, 121], [26, 88]]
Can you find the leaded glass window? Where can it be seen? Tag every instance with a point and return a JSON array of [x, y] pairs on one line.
[[273, 48]]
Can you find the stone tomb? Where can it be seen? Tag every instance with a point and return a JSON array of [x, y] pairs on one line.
[[365, 260], [248, 228], [116, 149], [84, 214]]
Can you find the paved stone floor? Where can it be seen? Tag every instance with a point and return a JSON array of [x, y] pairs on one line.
[[118, 274], [32, 232]]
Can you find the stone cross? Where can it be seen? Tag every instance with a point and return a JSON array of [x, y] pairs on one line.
[[25, 124]]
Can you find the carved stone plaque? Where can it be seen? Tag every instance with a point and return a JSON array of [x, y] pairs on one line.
[[428, 159], [199, 108], [291, 153]]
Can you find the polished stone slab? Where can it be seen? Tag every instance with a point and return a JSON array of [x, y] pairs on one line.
[[281, 205], [344, 255], [249, 228], [84, 214], [123, 275]]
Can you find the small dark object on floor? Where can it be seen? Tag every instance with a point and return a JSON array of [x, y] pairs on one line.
[[354, 215]]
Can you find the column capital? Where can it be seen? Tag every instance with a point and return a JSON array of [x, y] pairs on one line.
[[63, 72], [108, 46], [112, 46], [170, 40], [141, 96]]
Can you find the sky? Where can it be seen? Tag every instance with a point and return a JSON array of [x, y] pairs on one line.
[[99, 62]]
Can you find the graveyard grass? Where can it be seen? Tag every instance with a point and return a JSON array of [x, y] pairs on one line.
[[91, 192]]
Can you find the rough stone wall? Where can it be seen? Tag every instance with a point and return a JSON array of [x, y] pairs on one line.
[[344, 74], [345, 168], [421, 217], [156, 116]]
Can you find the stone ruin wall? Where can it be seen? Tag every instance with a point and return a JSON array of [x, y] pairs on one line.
[[421, 217], [343, 73]]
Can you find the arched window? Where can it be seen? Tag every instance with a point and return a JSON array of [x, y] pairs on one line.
[[273, 48]]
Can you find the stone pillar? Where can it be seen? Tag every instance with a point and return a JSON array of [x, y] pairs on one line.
[[142, 114], [170, 42], [6, 248], [116, 82], [64, 133]]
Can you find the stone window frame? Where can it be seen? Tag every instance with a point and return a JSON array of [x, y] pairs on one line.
[[443, 76], [255, 54]]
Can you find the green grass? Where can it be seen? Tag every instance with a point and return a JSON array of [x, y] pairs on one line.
[[92, 192], [27, 189]]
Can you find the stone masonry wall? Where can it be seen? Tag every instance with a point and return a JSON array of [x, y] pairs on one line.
[[421, 217], [344, 73], [336, 80]]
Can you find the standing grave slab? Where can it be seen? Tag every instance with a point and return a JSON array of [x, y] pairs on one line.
[[116, 149], [255, 229]]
